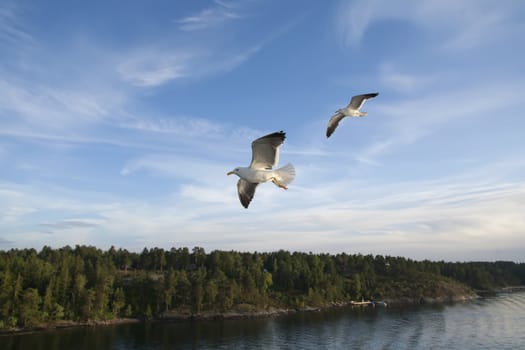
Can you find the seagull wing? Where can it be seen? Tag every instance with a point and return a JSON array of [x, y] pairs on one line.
[[265, 150], [333, 123], [358, 101], [246, 191]]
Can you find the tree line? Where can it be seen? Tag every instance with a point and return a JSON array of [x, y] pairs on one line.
[[86, 283]]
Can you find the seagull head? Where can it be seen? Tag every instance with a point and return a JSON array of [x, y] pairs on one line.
[[234, 171]]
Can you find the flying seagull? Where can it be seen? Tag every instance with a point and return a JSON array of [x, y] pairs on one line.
[[352, 110], [265, 155]]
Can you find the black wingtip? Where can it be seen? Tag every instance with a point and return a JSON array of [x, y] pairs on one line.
[[330, 130], [281, 134], [245, 201]]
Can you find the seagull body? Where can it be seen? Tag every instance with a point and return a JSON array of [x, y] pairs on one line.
[[352, 110], [265, 155]]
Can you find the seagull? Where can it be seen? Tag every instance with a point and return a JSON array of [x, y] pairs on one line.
[[352, 110], [265, 155]]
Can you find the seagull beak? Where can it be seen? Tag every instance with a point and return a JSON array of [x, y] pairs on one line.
[[230, 173]]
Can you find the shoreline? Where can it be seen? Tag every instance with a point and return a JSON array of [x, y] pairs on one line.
[[64, 324], [235, 314]]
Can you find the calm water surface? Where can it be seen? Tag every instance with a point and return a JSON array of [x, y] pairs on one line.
[[490, 323]]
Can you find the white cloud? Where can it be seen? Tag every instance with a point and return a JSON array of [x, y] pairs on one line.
[[424, 219], [375, 218]]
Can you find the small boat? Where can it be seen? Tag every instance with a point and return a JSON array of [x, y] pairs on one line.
[[368, 303]]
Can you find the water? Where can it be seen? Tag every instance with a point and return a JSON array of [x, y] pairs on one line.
[[490, 323]]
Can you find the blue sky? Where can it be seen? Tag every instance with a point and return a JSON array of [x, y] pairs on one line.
[[120, 119]]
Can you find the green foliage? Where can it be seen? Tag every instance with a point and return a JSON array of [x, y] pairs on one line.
[[86, 283]]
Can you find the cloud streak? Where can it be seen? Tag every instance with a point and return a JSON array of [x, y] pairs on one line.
[[69, 224], [220, 13]]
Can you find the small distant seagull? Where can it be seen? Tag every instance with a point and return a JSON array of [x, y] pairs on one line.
[[352, 110], [265, 155]]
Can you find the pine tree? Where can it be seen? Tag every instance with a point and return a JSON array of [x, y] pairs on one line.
[[29, 308]]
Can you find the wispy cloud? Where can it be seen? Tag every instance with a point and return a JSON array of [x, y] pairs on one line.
[[153, 67], [410, 119], [149, 68], [404, 82], [192, 55], [44, 107], [375, 151], [11, 31], [42, 93], [465, 24], [221, 12]]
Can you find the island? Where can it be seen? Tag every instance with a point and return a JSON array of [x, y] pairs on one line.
[[85, 285]]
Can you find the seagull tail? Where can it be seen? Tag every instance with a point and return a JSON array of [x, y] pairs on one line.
[[286, 174]]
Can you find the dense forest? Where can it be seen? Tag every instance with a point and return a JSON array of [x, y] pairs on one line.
[[87, 284]]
